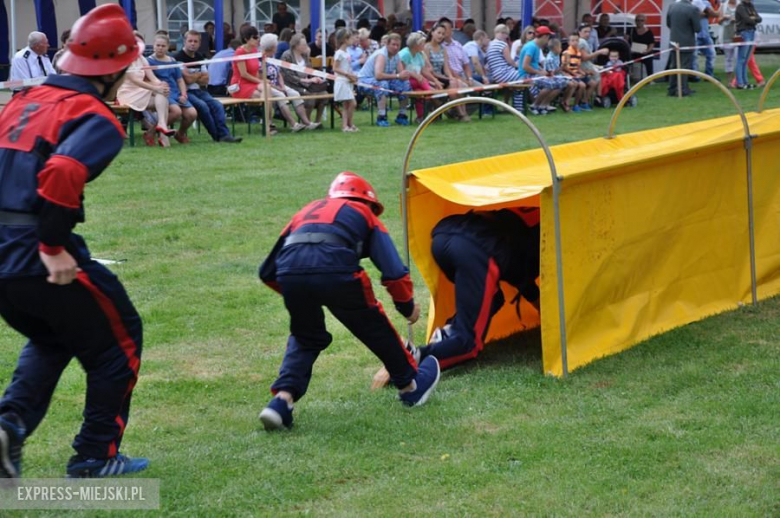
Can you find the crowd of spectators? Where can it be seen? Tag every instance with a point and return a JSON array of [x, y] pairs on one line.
[[388, 58]]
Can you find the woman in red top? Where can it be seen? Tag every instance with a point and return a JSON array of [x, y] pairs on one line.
[[246, 82]]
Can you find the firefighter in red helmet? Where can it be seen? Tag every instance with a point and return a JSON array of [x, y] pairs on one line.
[[55, 138], [316, 263]]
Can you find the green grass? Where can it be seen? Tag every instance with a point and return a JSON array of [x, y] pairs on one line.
[[683, 424]]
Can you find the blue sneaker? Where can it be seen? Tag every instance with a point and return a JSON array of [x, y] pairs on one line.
[[586, 107], [427, 377], [402, 119], [11, 439], [382, 122], [576, 109], [277, 415], [80, 467]]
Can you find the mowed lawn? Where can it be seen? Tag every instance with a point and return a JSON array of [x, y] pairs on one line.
[[683, 424]]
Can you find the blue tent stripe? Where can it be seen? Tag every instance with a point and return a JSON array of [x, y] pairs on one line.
[[316, 16], [129, 7], [86, 6], [219, 30], [417, 15], [47, 22], [528, 12], [5, 44]]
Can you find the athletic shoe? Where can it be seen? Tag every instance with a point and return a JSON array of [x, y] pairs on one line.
[[414, 351], [576, 109], [382, 122], [11, 439], [313, 126], [402, 119], [81, 467], [231, 139], [550, 108], [441, 333], [298, 127], [277, 415], [426, 380], [535, 110], [586, 107]]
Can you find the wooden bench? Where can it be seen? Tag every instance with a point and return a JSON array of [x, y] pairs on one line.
[[232, 102], [121, 111], [427, 97]]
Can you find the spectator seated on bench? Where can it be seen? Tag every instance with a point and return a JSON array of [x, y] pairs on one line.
[[210, 111], [142, 91], [500, 65], [219, 73], [178, 101], [279, 90], [440, 65], [384, 69], [302, 83], [476, 51]]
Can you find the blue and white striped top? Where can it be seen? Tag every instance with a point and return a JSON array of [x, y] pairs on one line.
[[500, 70]]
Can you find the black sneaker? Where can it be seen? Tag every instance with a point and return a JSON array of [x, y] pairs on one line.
[[231, 139], [12, 434]]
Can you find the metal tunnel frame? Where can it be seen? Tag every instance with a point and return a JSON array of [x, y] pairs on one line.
[[556, 183], [765, 92], [748, 144]]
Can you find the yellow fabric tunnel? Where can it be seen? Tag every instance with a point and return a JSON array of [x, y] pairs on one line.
[[654, 230]]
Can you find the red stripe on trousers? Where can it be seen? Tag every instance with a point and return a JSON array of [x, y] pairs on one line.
[[122, 337], [491, 286], [371, 301]]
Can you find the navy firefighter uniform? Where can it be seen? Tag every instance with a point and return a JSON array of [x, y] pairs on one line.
[[54, 139], [475, 251], [316, 263]]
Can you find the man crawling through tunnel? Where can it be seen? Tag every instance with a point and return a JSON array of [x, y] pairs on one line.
[[475, 251]]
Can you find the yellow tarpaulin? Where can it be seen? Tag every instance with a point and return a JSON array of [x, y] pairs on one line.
[[654, 229]]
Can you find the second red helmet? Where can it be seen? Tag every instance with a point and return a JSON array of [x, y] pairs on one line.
[[351, 185]]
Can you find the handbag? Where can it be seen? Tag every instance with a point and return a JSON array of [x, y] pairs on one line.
[[318, 88]]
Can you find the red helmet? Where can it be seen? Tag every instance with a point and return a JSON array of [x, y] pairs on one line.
[[350, 185], [101, 42]]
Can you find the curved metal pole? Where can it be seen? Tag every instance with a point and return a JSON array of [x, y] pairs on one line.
[[556, 195], [748, 144], [674, 72], [765, 92]]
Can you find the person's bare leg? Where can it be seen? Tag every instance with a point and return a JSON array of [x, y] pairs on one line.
[[301, 111], [161, 106], [284, 109], [187, 118]]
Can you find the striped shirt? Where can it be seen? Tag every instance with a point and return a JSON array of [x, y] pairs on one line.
[[500, 70], [574, 58]]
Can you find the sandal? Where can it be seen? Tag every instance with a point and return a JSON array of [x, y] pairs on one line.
[[167, 133], [149, 138]]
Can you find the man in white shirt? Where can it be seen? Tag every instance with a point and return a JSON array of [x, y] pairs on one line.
[[475, 50], [32, 61]]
